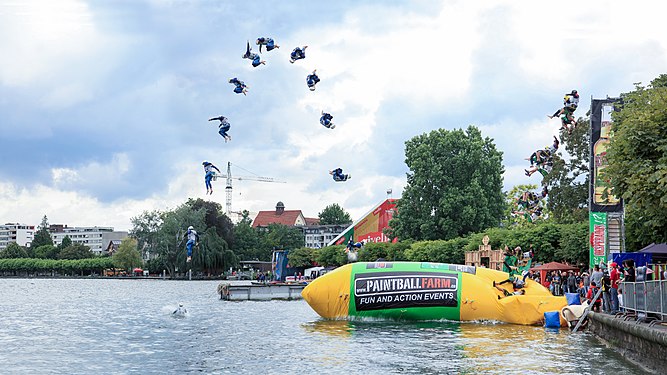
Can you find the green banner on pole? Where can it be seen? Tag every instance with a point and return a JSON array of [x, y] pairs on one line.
[[598, 238]]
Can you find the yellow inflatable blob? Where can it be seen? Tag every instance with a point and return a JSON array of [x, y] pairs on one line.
[[428, 291]]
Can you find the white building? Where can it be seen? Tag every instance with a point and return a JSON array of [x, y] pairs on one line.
[[22, 234], [96, 238], [318, 236]]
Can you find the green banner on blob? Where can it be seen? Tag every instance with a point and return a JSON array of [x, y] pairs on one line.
[[406, 290], [598, 238]]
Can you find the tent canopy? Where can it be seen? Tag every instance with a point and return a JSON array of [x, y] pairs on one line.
[[660, 248], [555, 266]]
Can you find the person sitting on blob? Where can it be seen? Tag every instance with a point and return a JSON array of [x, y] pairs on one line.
[[338, 175], [268, 42], [312, 79], [297, 54], [325, 120], [224, 127], [543, 160], [240, 86], [507, 293], [252, 56]]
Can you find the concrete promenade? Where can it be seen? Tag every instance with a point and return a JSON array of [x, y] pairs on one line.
[[638, 342]]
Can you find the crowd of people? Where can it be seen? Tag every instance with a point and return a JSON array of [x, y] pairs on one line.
[[587, 285]]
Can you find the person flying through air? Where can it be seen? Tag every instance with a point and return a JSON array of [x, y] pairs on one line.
[[528, 204], [240, 86], [543, 160], [297, 54], [193, 240], [570, 104], [312, 79], [325, 120], [224, 127], [208, 169], [338, 175], [252, 56], [268, 42]]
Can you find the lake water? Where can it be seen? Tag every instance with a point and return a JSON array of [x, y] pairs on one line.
[[77, 326]]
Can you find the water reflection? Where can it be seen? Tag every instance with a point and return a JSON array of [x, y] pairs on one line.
[[77, 326]]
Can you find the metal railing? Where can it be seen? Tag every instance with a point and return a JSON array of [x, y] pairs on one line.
[[645, 297]]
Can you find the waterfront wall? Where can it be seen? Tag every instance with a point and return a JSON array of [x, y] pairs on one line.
[[644, 345]]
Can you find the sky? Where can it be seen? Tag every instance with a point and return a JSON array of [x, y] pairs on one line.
[[104, 104]]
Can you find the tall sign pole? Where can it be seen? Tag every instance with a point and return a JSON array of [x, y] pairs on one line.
[[605, 209]]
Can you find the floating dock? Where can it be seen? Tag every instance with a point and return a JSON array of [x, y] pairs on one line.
[[261, 291]]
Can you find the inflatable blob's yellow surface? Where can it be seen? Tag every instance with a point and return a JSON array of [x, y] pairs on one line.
[[427, 291]]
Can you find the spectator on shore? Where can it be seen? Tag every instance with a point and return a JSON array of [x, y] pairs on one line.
[[572, 283], [614, 277], [606, 292], [629, 272], [596, 276], [592, 291], [555, 284], [586, 281]]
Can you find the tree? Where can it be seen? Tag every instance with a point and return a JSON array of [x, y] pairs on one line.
[[280, 236], [42, 236], [568, 181], [66, 242], [247, 241], [76, 251], [215, 218], [14, 250], [145, 229], [454, 186], [334, 214], [127, 256], [47, 252], [302, 257], [637, 162]]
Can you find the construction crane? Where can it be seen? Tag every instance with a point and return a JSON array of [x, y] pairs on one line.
[[228, 187]]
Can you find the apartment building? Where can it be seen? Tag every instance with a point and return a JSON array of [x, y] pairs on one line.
[[96, 238], [22, 234]]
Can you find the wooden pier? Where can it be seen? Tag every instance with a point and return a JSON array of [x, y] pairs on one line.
[[260, 291]]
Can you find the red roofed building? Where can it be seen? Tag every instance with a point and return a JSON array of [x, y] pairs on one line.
[[292, 218]]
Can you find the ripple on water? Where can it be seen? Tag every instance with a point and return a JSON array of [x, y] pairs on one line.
[[122, 326]]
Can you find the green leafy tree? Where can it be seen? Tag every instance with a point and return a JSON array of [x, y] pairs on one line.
[[568, 181], [334, 214], [454, 186], [14, 250], [76, 251], [280, 236], [127, 256], [332, 256], [637, 162], [42, 236], [301, 257], [247, 241], [145, 228], [215, 218], [47, 252], [66, 242]]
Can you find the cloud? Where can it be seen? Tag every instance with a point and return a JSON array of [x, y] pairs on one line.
[[105, 106]]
